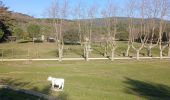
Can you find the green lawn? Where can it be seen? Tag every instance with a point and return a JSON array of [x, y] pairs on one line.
[[93, 80], [49, 50]]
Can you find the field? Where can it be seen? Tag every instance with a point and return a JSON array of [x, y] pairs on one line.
[[49, 50], [93, 80]]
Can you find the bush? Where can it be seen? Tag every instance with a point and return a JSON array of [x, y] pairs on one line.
[[1, 33], [71, 37], [18, 32], [33, 30], [123, 36]]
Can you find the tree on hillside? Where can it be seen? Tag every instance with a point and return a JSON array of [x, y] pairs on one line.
[[34, 31], [18, 32], [47, 30], [1, 33], [71, 36], [53, 12], [5, 22]]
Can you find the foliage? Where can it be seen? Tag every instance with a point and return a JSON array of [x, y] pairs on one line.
[[1, 33], [33, 30], [122, 32], [5, 32], [5, 21], [18, 32], [47, 30], [122, 36], [71, 36]]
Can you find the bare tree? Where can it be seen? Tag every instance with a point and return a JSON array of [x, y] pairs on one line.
[[91, 13], [78, 14], [113, 39], [151, 13], [164, 8], [106, 18], [53, 12], [87, 48], [142, 31], [109, 13], [131, 9], [168, 44], [63, 16]]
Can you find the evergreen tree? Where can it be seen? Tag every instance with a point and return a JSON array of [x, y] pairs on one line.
[[5, 22]]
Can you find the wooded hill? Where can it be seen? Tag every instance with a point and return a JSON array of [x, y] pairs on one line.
[[23, 21], [17, 25]]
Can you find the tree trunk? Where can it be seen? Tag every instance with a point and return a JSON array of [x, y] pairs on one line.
[[80, 36], [149, 51], [137, 54], [160, 39], [113, 54], [105, 52], [168, 50], [87, 54], [84, 52], [60, 51], [60, 55], [127, 51], [160, 53]]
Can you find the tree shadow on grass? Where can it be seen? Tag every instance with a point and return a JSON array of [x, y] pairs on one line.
[[9, 93], [77, 52], [98, 51], [14, 82], [147, 90]]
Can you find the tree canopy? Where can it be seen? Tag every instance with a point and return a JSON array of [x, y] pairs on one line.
[[5, 22], [33, 30]]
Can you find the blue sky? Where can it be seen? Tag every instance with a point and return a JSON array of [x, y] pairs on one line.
[[37, 7]]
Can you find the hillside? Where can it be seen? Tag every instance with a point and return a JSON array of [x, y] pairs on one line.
[[21, 18], [99, 30]]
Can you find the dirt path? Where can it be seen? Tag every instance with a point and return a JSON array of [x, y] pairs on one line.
[[76, 59]]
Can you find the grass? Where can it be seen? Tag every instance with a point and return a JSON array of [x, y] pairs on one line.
[[49, 50], [93, 80]]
